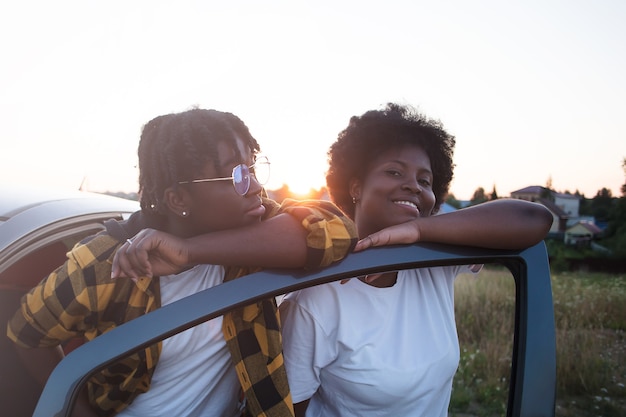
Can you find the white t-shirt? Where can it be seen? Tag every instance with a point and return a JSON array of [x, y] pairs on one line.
[[195, 375], [358, 350]]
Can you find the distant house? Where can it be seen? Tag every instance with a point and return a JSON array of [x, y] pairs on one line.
[[532, 193], [582, 233], [446, 208], [564, 207], [568, 203]]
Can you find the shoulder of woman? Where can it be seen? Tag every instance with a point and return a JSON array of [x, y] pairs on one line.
[[94, 249]]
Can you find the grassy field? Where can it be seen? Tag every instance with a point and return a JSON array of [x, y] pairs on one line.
[[590, 317]]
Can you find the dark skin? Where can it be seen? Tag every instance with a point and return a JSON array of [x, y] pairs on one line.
[[394, 204], [234, 235], [386, 197], [238, 238], [499, 224]]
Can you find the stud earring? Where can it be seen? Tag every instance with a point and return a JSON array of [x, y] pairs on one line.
[[184, 214], [353, 200]]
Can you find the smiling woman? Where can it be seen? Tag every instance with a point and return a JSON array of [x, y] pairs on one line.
[[390, 345]]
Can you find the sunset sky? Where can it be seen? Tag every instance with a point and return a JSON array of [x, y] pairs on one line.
[[532, 90]]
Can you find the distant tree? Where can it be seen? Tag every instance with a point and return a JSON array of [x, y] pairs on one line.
[[624, 185], [605, 207], [547, 192], [584, 208], [604, 193], [601, 204], [494, 194], [451, 199], [478, 197], [616, 228]]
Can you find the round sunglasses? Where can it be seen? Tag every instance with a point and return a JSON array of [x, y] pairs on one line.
[[241, 175]]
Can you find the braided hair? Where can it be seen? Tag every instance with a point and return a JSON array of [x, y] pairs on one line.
[[175, 147], [369, 135]]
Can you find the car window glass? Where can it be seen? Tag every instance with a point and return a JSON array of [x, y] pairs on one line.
[[485, 317]]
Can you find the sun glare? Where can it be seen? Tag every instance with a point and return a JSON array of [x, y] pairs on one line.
[[301, 188], [300, 183]]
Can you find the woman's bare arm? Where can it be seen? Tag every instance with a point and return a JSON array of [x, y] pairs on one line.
[[279, 242], [499, 224]]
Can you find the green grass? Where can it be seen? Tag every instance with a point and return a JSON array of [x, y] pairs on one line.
[[590, 318]]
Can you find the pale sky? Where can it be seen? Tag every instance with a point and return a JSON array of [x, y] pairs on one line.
[[532, 90]]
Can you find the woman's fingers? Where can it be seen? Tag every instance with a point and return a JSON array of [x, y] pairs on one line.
[[131, 259], [393, 235]]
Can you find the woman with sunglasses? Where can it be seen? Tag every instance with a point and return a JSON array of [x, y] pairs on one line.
[[387, 344], [202, 204]]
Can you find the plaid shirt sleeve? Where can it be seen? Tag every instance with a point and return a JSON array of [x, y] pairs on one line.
[[252, 333], [58, 308], [332, 235], [80, 300]]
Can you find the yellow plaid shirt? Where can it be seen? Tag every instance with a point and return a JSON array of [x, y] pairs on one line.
[[79, 299]]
